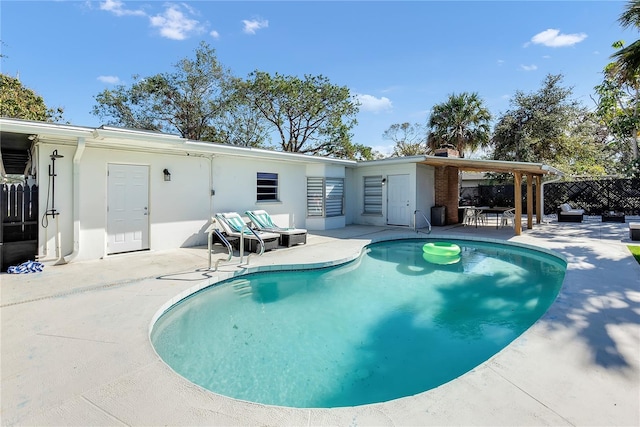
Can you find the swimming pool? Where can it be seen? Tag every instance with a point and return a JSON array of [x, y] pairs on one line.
[[387, 325]]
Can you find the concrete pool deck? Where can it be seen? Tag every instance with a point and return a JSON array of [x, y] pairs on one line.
[[75, 350]]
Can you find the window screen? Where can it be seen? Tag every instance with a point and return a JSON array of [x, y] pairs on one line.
[[334, 195], [325, 196], [315, 196], [373, 194], [267, 186]]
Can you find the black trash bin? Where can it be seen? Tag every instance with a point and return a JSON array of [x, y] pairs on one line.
[[438, 215]]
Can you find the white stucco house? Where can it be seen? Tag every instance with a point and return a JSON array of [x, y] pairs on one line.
[[107, 190]]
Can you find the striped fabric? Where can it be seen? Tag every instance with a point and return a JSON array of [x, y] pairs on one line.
[[263, 219], [234, 222]]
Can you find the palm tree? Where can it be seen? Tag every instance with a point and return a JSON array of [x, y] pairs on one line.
[[627, 59], [461, 123], [625, 71]]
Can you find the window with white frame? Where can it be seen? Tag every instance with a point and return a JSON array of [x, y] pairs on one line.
[[267, 186], [325, 197], [373, 195]]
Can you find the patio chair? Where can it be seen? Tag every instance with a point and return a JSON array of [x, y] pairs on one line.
[[288, 236], [481, 216], [473, 216], [469, 216], [232, 225], [568, 214], [508, 218]]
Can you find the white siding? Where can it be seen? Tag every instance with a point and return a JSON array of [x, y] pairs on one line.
[[356, 204]]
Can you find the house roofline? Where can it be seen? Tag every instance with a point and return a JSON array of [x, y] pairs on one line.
[[115, 137]]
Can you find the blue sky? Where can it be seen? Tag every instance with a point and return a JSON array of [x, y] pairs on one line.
[[399, 58]]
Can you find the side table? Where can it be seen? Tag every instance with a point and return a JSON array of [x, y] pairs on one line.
[[613, 217]]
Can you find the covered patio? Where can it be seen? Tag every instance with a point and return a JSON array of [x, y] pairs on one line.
[[447, 172]]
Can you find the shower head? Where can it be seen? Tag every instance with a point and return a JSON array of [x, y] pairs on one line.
[[55, 155]]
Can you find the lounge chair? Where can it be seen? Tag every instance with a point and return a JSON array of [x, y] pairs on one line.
[[232, 224], [568, 214], [288, 236]]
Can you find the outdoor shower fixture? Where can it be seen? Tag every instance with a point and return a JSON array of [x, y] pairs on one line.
[[52, 178], [53, 212]]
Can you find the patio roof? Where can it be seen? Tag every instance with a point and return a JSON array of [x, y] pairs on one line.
[[479, 165], [534, 172]]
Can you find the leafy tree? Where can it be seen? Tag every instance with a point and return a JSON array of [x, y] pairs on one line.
[[187, 101], [241, 123], [409, 139], [548, 126], [19, 102], [618, 108], [462, 122], [309, 115]]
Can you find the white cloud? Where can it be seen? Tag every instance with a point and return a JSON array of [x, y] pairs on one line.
[[553, 38], [531, 67], [250, 27], [387, 150], [112, 80], [500, 62], [373, 104], [117, 8], [174, 24], [214, 34]]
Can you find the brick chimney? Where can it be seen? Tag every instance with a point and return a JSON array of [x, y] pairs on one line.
[[446, 152]]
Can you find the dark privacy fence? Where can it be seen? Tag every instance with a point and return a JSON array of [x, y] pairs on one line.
[[594, 196], [18, 224]]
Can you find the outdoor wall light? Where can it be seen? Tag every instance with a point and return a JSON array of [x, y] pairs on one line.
[[384, 181], [167, 175]]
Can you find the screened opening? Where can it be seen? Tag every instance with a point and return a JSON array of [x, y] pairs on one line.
[[325, 197], [334, 194], [315, 197], [267, 186], [373, 195]]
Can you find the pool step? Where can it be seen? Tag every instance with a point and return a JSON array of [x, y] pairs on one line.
[[242, 287]]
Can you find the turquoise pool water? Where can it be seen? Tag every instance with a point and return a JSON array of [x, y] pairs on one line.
[[387, 325]]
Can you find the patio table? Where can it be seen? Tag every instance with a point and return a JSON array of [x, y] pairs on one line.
[[611, 216], [496, 210]]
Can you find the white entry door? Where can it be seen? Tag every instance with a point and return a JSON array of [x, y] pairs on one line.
[[398, 212], [127, 208]]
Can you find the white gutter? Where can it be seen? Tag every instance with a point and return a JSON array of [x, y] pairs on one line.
[[392, 161], [77, 156]]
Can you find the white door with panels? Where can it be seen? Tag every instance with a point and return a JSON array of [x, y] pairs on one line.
[[127, 208], [398, 211]]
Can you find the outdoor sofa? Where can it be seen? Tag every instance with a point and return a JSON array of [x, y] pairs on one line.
[[568, 214]]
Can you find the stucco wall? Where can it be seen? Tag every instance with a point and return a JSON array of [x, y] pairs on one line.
[[234, 182], [425, 193], [356, 202], [180, 209], [327, 171]]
